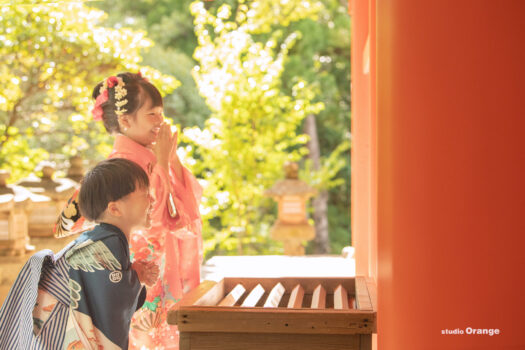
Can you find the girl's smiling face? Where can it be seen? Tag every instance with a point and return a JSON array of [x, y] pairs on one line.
[[144, 127]]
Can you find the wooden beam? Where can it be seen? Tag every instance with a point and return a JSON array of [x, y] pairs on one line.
[[275, 320]]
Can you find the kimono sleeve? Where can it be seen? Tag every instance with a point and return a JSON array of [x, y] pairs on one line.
[[105, 292], [187, 195], [176, 205], [160, 189], [168, 192]]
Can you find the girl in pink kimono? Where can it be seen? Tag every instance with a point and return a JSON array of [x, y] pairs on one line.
[[131, 108]]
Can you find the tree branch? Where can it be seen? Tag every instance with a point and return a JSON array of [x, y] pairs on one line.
[[12, 119]]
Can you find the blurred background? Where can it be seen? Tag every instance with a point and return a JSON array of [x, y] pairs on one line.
[[251, 85]]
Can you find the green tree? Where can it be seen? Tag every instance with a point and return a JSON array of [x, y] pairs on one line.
[[321, 57], [53, 54], [169, 24], [252, 129]]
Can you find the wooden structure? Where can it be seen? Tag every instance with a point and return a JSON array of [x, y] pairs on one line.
[[13, 225], [15, 205], [278, 313], [292, 227], [44, 213], [76, 169]]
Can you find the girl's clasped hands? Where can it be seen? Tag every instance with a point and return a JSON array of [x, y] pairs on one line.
[[165, 147]]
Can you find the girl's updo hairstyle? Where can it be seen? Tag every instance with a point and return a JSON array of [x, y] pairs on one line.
[[138, 90]]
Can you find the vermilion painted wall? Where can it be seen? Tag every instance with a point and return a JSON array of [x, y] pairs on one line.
[[364, 159], [372, 249], [363, 148], [451, 155]]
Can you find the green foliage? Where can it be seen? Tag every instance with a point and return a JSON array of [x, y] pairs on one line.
[[169, 24], [53, 55], [322, 58], [333, 176], [22, 158], [83, 45], [251, 132], [326, 177]]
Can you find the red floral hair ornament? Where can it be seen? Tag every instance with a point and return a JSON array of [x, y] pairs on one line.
[[103, 96], [112, 81], [140, 75], [97, 110]]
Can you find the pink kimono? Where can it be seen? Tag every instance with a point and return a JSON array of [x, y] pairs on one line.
[[174, 242]]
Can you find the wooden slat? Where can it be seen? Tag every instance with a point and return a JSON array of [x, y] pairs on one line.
[[351, 303], [372, 291], [243, 341], [308, 283], [296, 297], [361, 294], [233, 296], [340, 298], [319, 298], [254, 296], [275, 296], [205, 294], [275, 320]]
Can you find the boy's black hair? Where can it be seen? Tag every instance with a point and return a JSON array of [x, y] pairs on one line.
[[138, 89], [107, 182]]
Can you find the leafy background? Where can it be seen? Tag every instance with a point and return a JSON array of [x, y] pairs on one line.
[[239, 78]]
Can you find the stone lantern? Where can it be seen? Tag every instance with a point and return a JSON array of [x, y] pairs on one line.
[[292, 227], [76, 169], [15, 204], [44, 215]]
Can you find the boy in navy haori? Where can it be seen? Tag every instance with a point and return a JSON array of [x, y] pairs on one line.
[[84, 296]]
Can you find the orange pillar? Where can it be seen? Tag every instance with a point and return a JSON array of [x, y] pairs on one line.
[[372, 249], [363, 139], [451, 156]]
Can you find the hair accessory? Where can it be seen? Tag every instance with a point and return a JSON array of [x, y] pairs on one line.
[[110, 82], [140, 75], [120, 93], [97, 110]]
